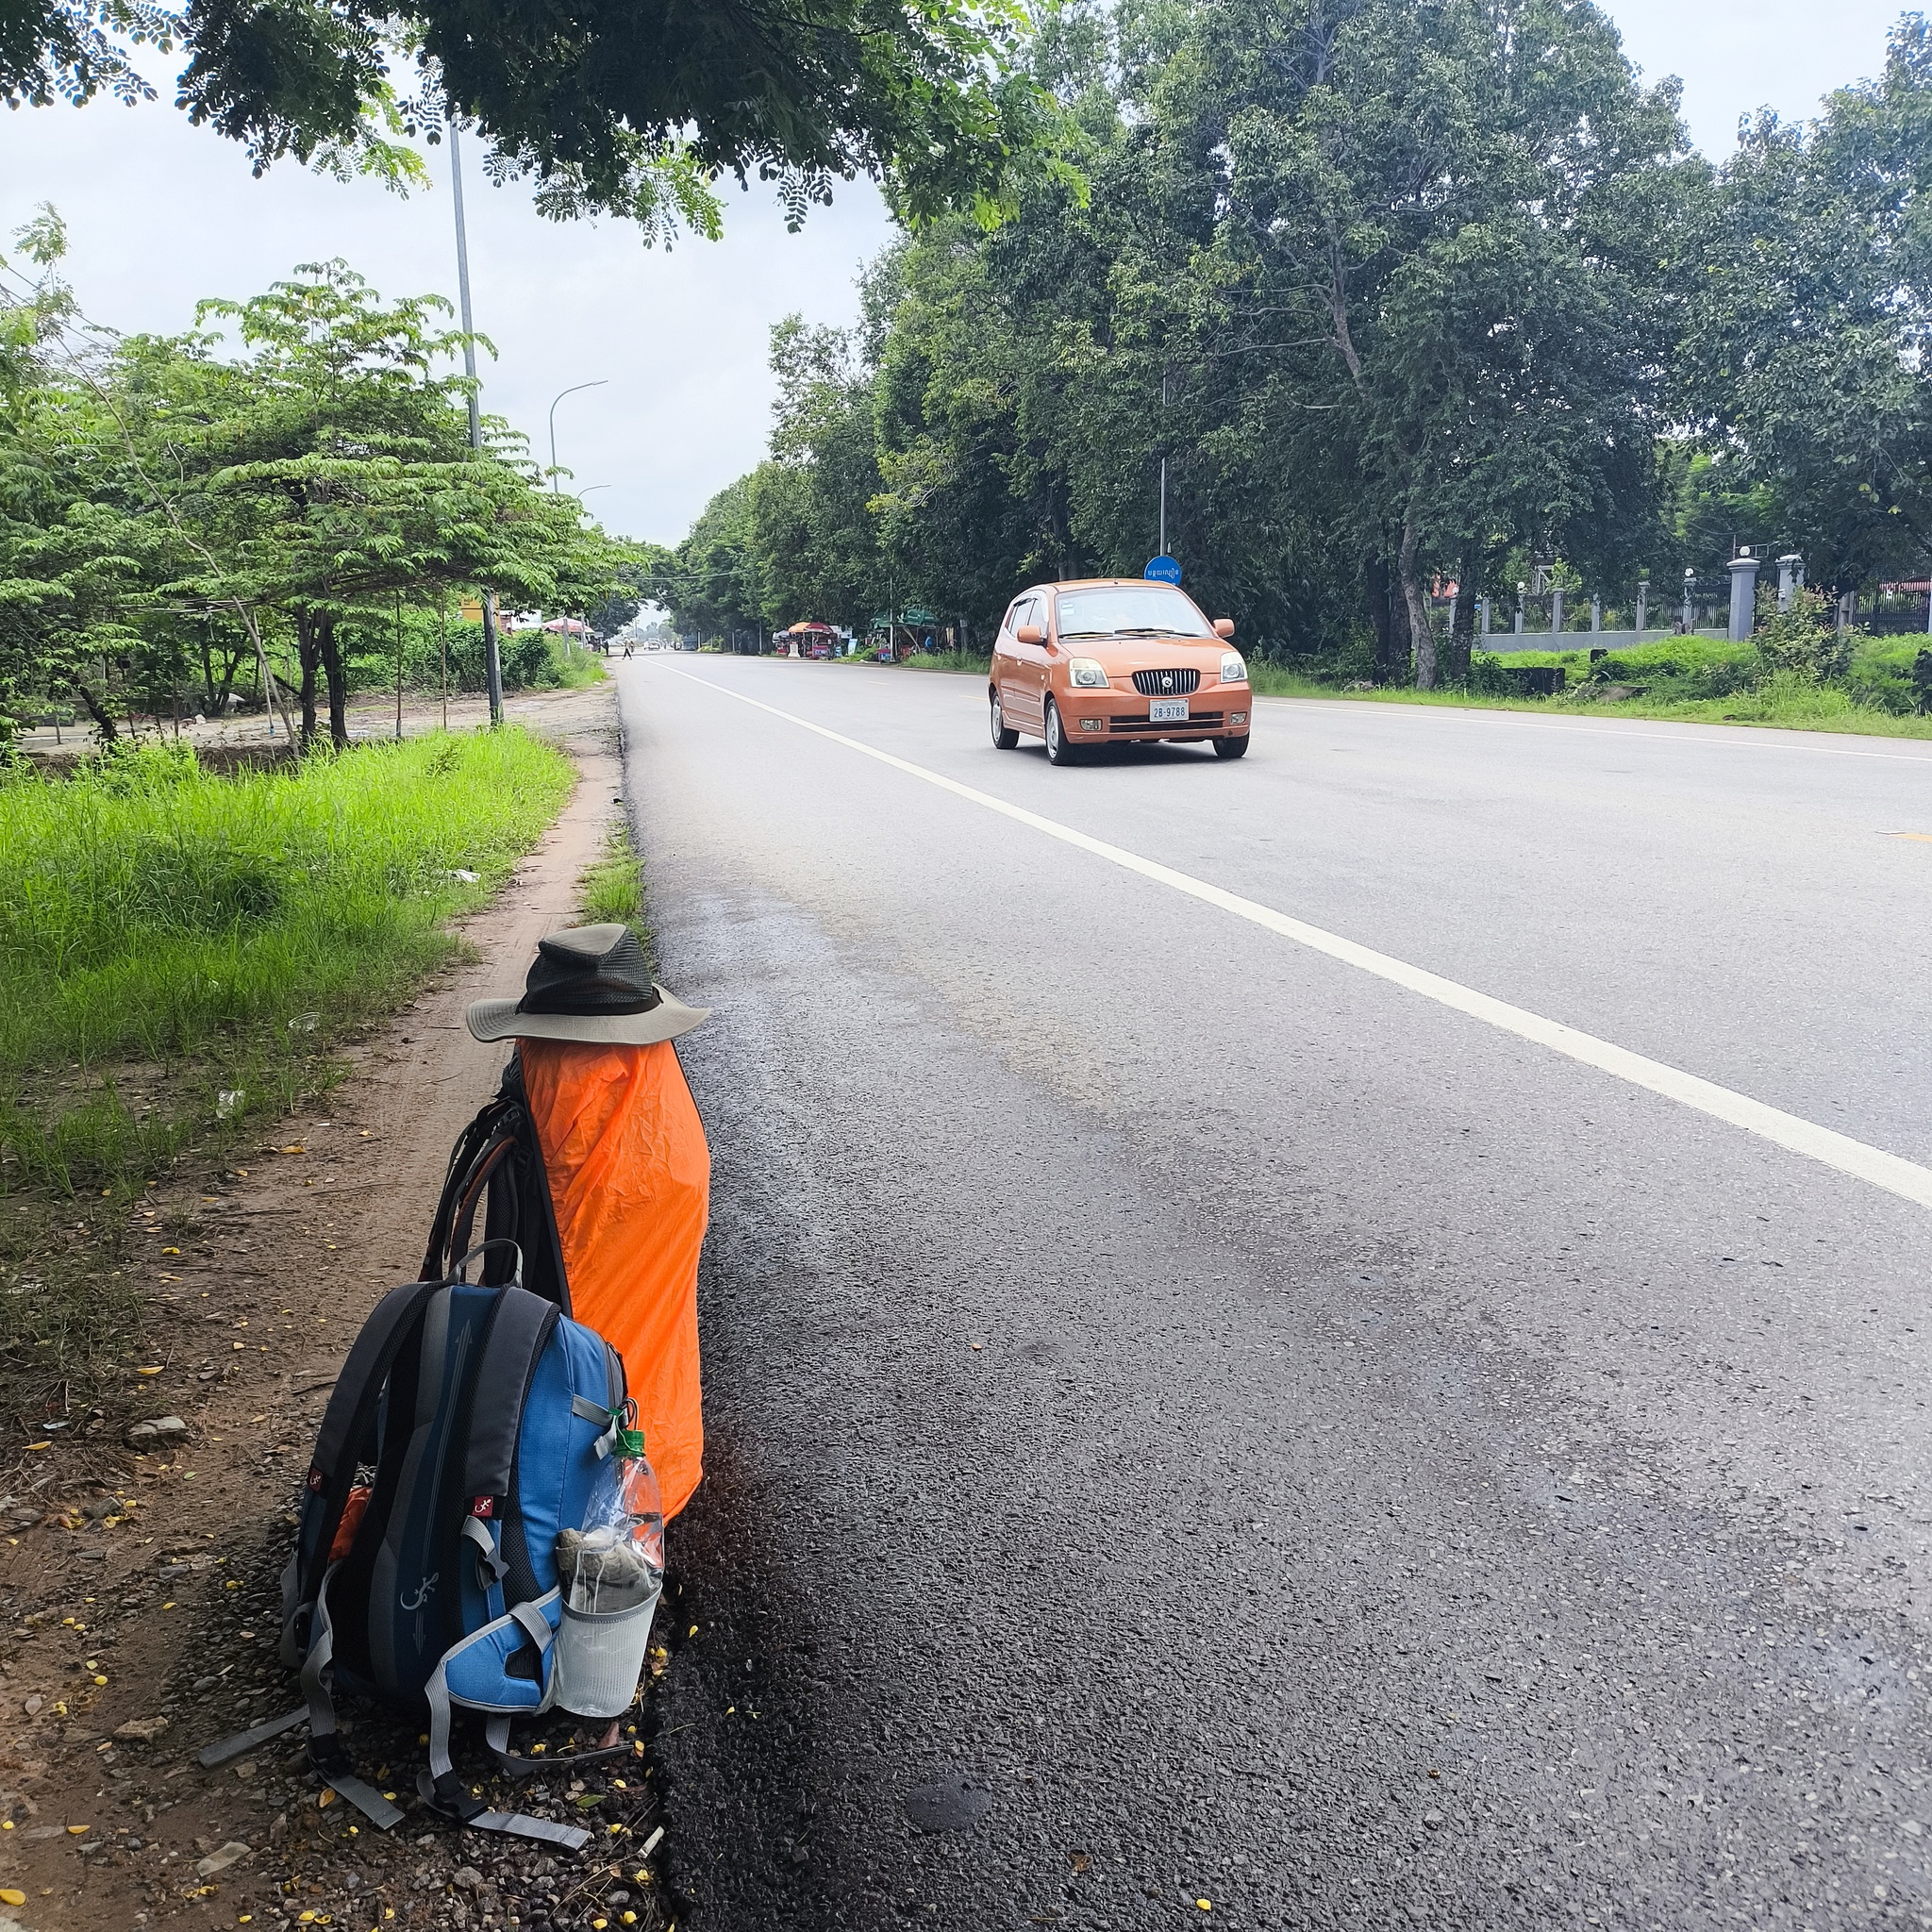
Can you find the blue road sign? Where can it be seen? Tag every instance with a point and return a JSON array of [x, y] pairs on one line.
[[1162, 569]]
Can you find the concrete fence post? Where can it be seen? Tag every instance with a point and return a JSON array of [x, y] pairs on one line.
[[1790, 574], [1744, 596], [1642, 605], [1555, 609], [1597, 615], [1482, 609], [1690, 615], [1522, 591]]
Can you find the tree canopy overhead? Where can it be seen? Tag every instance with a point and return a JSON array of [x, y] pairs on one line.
[[628, 107]]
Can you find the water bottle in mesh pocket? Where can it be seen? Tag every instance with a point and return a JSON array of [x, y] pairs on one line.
[[612, 1571]]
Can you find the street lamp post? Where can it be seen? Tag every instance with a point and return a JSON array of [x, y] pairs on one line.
[[557, 398], [584, 619], [492, 658]]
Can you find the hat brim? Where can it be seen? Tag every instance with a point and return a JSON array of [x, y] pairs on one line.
[[670, 1019]]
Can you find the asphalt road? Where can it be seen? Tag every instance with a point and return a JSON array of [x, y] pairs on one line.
[[1208, 1423]]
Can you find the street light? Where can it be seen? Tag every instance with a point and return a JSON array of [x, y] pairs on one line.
[[585, 620], [561, 394]]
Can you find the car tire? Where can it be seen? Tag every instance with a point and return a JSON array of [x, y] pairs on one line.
[[1004, 737], [1059, 747], [1231, 747]]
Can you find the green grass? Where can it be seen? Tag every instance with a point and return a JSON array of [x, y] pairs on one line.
[[574, 670], [974, 663], [612, 890], [1783, 703], [180, 952]]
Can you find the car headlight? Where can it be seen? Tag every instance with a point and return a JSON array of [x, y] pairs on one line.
[[1087, 673], [1232, 669]]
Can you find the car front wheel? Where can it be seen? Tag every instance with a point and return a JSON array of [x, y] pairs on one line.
[[1059, 748], [1231, 747], [1004, 737]]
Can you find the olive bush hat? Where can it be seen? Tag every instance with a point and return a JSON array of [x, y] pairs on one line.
[[588, 983]]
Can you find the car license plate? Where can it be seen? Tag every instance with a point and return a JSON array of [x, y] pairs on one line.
[[1168, 711]]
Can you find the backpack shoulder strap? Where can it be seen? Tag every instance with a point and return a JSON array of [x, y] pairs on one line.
[[519, 1332], [498, 1156], [470, 1161], [342, 1442]]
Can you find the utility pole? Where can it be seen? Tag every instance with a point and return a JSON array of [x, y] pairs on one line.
[[493, 658], [1162, 552]]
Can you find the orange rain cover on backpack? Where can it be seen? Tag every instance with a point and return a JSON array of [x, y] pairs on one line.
[[630, 1178]]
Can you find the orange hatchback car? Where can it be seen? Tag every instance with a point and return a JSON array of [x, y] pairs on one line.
[[1115, 661]]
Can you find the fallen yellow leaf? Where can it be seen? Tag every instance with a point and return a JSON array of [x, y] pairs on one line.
[[171, 1251], [75, 1830], [155, 1371], [327, 1798], [11, 1895]]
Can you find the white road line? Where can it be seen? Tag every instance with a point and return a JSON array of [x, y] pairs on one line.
[[1762, 739], [1855, 1157]]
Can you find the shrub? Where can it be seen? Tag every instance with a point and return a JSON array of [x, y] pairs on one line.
[[1803, 642]]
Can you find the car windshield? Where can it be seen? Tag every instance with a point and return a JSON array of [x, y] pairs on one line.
[[1151, 610]]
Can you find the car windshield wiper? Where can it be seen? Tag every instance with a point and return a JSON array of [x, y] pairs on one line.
[[1089, 633]]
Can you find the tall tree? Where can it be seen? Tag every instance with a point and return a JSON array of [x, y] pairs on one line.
[[1803, 356], [1451, 214]]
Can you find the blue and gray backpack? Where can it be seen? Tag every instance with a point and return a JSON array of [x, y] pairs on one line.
[[470, 1426]]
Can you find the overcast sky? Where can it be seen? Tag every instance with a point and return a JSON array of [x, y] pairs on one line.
[[163, 214]]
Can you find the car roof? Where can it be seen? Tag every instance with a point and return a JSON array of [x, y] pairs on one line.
[[1101, 584]]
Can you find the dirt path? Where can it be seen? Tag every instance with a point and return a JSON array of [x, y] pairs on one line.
[[139, 1610]]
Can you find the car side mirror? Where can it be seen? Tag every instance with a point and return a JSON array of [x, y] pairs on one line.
[[1224, 626], [1032, 634]]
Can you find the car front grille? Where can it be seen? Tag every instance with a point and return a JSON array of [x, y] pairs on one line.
[[1201, 721], [1166, 684]]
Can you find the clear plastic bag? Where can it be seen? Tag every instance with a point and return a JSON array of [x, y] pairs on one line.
[[611, 1573]]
